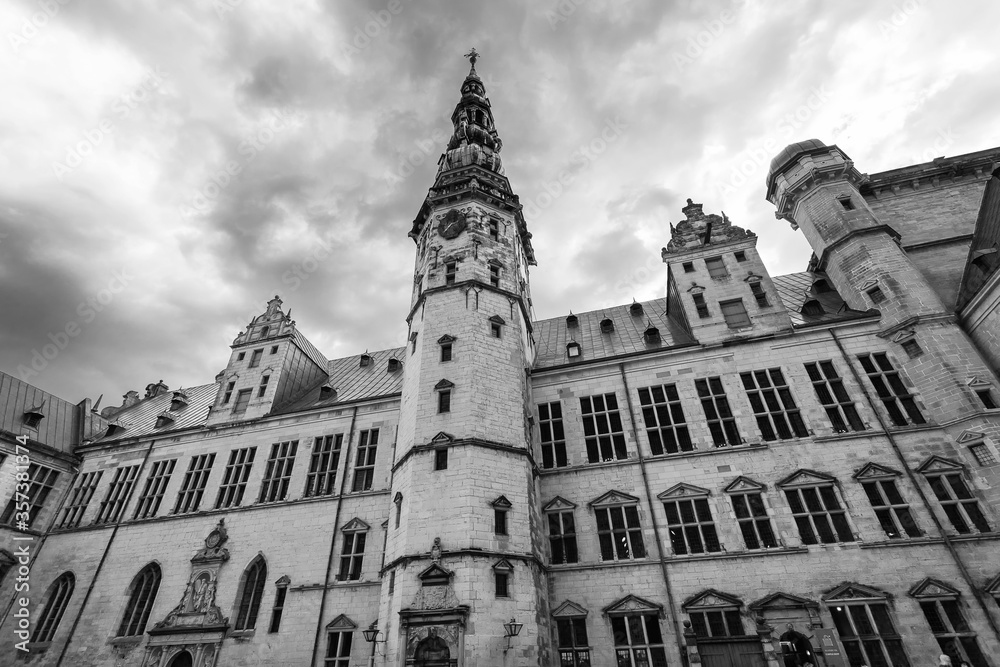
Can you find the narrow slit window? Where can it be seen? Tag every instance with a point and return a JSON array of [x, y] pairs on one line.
[[700, 305], [441, 459], [450, 271]]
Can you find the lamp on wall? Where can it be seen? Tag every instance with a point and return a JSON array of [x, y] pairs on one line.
[[512, 629], [371, 636]]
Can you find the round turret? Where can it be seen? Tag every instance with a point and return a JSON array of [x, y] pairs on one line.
[[788, 154]]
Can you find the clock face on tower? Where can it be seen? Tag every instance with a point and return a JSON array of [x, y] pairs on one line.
[[452, 225]]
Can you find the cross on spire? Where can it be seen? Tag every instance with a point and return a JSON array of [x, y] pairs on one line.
[[473, 56]]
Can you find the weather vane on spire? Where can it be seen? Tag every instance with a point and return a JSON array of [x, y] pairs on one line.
[[473, 56]]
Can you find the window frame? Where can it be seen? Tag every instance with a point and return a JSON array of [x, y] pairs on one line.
[[192, 490], [324, 461], [961, 515], [864, 641], [944, 616], [364, 461], [622, 539], [338, 648], [79, 499], [563, 537], [41, 481], [604, 430], [892, 516], [255, 358], [278, 606], [666, 425], [716, 267], [808, 512], [117, 496], [688, 529], [623, 628], [735, 320], [832, 395], [278, 472], [154, 489], [56, 600], [352, 554], [770, 396], [890, 388], [572, 641], [755, 515], [235, 477], [251, 592], [719, 415], [552, 435], [700, 305]]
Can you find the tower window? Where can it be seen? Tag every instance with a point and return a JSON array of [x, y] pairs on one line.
[[846, 203], [413, 342], [740, 256], [263, 331], [274, 349], [495, 275], [700, 305], [263, 386], [242, 401], [450, 271], [255, 358], [688, 267], [444, 401], [716, 267], [446, 352], [229, 392], [987, 398], [502, 584], [876, 295], [759, 294], [441, 459], [241, 356], [500, 521], [912, 348], [735, 313], [494, 229]]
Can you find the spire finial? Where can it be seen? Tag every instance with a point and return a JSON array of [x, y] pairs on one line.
[[473, 56]]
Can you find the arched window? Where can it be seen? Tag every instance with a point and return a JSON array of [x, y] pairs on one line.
[[250, 594], [55, 606], [142, 594]]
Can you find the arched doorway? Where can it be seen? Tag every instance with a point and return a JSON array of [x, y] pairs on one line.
[[433, 652], [182, 659]]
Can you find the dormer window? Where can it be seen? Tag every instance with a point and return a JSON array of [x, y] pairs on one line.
[[255, 358], [635, 310], [572, 350], [394, 365], [607, 326], [651, 335], [114, 429], [326, 393], [33, 417], [876, 295], [571, 321], [812, 308], [365, 360], [164, 419], [178, 401], [821, 286]]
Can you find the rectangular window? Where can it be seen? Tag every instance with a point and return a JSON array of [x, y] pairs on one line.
[[562, 537], [984, 456], [690, 525], [352, 557], [952, 632], [550, 427], [876, 295], [740, 256], [242, 401], [444, 401], [986, 396], [193, 486], [912, 348], [700, 305], [833, 396], [602, 428], [338, 649], [229, 393], [323, 465], [892, 511], [241, 356], [502, 579], [777, 415], [413, 342], [263, 386], [40, 482], [278, 471], [156, 486], [868, 635], [500, 521], [364, 465], [255, 358], [495, 330], [274, 349], [846, 203], [495, 276], [117, 496], [574, 647], [446, 352], [890, 389], [717, 623], [619, 533], [759, 294], [735, 313], [958, 503], [441, 459], [666, 427], [494, 229], [638, 641], [79, 498], [234, 480], [721, 422], [716, 267], [277, 609], [819, 515], [450, 271], [688, 267], [754, 522]]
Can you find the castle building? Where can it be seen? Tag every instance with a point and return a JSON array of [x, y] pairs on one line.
[[667, 482]]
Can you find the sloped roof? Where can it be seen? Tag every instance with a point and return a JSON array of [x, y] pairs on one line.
[[552, 336], [795, 289], [140, 419], [309, 349]]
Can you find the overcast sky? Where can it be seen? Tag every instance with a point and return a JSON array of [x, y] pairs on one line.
[[166, 168]]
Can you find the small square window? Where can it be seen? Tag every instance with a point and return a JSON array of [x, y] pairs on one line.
[[986, 396], [441, 459], [699, 303], [846, 203], [274, 349], [255, 358], [876, 295], [241, 356], [500, 521], [912, 348], [444, 401], [740, 256], [716, 267], [688, 267], [450, 271], [735, 313], [446, 352], [984, 456], [495, 329]]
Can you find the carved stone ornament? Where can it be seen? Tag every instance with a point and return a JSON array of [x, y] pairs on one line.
[[452, 225], [215, 549]]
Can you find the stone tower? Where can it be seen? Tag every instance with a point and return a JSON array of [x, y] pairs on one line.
[[461, 554]]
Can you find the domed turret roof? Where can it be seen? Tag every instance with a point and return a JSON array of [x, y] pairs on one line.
[[790, 152]]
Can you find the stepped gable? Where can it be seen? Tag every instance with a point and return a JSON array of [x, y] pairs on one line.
[[701, 229]]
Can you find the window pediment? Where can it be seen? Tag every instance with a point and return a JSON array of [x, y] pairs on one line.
[[496, 319], [558, 503], [742, 483], [805, 477], [446, 339], [444, 384], [977, 382], [933, 588], [283, 581], [501, 502], [631, 604], [937, 463], [442, 438], [781, 600], [355, 525], [612, 498], [711, 599], [850, 590], [342, 622], [875, 471], [993, 587], [968, 435], [435, 575], [902, 335], [684, 491], [695, 289], [570, 609], [503, 565], [869, 285]]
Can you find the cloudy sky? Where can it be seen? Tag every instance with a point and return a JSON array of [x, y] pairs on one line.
[[166, 168]]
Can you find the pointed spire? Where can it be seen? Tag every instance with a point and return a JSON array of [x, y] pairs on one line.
[[473, 56]]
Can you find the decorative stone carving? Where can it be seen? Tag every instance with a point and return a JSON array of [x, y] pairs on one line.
[[699, 229]]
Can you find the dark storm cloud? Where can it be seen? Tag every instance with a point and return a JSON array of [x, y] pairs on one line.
[[290, 146]]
